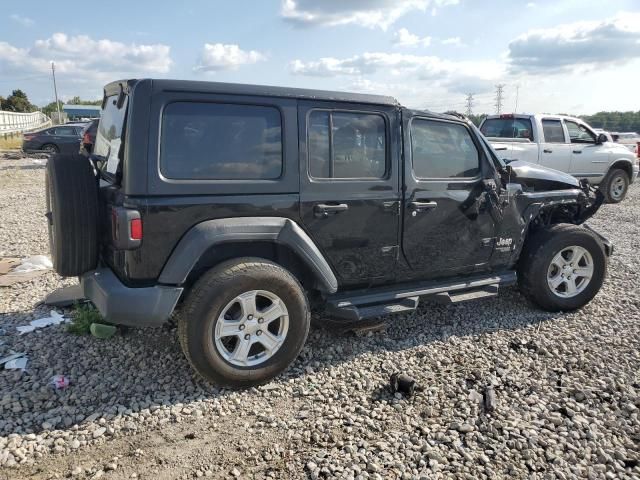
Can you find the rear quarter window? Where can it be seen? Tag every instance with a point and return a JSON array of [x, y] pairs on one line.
[[220, 141], [507, 128]]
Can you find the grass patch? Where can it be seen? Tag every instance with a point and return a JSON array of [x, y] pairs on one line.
[[83, 316], [10, 143]]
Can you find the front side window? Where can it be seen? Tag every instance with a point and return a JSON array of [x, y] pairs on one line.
[[579, 133], [220, 141], [507, 128], [443, 150], [346, 145], [553, 131]]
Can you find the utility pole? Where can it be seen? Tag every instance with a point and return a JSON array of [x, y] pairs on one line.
[[469, 104], [55, 90], [515, 110], [499, 97]]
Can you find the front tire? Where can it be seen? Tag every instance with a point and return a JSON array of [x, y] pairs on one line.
[[562, 268], [615, 186], [244, 322]]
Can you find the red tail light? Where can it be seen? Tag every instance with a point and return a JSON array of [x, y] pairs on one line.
[[27, 136], [135, 227]]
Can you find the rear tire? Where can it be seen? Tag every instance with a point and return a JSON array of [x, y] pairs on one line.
[[72, 211], [554, 266], [224, 313], [615, 186]]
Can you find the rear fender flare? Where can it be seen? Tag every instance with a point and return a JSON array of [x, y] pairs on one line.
[[280, 230]]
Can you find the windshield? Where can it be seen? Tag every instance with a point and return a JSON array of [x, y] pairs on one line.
[[507, 128], [109, 136]]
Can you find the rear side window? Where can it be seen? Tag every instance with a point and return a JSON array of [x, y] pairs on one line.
[[346, 145], [507, 128], [443, 150], [109, 134], [220, 141], [66, 131], [553, 131]]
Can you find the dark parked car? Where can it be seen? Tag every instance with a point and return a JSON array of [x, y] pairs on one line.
[[58, 139], [88, 137], [247, 206]]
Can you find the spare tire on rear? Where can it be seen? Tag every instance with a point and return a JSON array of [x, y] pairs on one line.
[[72, 210]]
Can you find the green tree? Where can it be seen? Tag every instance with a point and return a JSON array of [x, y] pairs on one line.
[[50, 108], [17, 102]]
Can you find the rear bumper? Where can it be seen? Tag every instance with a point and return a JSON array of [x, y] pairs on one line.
[[119, 304]]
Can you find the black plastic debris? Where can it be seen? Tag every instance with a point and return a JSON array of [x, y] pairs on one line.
[[401, 383], [490, 401]]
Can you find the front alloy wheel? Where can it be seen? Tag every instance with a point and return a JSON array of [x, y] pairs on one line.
[[570, 271], [562, 267]]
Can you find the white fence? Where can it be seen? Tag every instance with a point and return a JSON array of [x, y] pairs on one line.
[[14, 122]]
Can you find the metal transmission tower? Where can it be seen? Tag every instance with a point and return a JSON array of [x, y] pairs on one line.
[[469, 102], [499, 97]]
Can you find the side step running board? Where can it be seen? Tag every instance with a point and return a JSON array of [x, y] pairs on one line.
[[355, 313], [446, 298], [372, 303]]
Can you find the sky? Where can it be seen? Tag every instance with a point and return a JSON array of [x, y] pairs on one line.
[[562, 56]]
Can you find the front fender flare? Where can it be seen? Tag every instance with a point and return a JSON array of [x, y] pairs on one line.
[[280, 230]]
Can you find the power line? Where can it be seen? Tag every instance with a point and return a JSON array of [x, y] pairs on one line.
[[499, 97], [469, 103]]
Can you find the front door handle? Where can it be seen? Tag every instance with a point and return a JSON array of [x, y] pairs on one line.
[[577, 151], [419, 206], [547, 150], [323, 210]]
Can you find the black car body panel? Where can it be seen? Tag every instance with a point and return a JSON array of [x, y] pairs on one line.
[[393, 227]]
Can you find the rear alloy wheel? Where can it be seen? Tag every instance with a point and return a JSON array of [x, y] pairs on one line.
[[251, 328], [244, 322], [50, 148], [615, 186]]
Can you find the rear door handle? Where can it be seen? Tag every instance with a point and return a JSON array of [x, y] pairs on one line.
[[577, 151], [547, 150], [419, 206], [324, 210]]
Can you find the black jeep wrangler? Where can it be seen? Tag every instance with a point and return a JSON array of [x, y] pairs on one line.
[[245, 206]]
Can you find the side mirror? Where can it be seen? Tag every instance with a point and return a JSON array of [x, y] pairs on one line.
[[602, 138]]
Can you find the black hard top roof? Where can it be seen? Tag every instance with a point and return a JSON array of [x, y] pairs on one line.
[[268, 91], [246, 89]]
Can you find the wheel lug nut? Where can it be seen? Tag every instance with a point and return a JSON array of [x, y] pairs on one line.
[[259, 332], [250, 317], [247, 336], [241, 327], [261, 320]]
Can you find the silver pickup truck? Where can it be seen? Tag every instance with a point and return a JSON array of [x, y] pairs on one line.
[[566, 144]]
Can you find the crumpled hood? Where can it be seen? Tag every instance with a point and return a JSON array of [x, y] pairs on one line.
[[539, 177]]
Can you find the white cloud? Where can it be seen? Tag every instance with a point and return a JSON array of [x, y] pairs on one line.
[[532, 4], [404, 38], [220, 56], [22, 20], [83, 57], [455, 41], [582, 44], [455, 76], [367, 13]]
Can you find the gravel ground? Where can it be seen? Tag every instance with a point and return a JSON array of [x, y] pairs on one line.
[[508, 391]]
